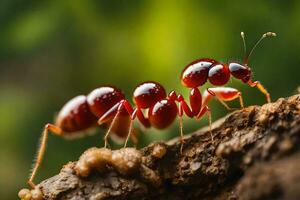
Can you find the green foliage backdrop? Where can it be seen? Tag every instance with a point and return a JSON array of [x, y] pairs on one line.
[[51, 51]]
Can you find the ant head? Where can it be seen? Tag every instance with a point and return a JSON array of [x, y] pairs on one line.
[[239, 71], [243, 71]]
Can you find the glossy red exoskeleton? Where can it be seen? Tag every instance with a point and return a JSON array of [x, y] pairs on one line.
[[108, 106], [217, 73]]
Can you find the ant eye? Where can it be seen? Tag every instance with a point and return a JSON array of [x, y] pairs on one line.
[[240, 72]]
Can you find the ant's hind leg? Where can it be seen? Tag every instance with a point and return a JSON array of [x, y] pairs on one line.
[[223, 94], [41, 151]]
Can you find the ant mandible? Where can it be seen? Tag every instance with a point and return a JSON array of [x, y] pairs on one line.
[[107, 105]]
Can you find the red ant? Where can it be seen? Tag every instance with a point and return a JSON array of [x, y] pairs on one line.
[[199, 71], [108, 106]]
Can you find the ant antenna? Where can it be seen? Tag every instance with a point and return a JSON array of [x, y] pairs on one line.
[[244, 43], [267, 34]]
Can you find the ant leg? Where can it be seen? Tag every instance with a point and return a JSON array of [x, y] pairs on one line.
[[134, 138], [261, 89], [184, 106], [137, 112], [241, 100], [207, 110], [223, 94], [219, 99], [181, 134], [107, 116], [195, 100], [129, 133], [132, 135], [180, 113], [41, 151], [110, 126]]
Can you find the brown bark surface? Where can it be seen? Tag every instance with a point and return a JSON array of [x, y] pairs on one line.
[[255, 155]]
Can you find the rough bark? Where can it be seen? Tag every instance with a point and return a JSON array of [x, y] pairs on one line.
[[255, 155]]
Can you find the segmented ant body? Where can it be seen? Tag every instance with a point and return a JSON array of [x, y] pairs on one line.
[[80, 114], [108, 106], [217, 73]]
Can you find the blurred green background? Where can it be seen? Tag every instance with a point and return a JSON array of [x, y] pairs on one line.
[[51, 51]]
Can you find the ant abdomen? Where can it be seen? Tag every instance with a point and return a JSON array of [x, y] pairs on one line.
[[75, 115], [82, 112], [101, 99]]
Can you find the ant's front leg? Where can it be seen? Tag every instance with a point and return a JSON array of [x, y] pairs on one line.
[[41, 151], [222, 94], [261, 88]]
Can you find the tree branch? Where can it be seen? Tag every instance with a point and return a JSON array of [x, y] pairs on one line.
[[255, 155]]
